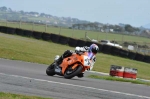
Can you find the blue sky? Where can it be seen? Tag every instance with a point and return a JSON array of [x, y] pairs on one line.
[[133, 12]]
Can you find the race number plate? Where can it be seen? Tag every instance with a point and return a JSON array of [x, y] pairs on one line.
[[87, 61]]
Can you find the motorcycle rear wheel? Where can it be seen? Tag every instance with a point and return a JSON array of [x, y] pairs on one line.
[[70, 73], [50, 71]]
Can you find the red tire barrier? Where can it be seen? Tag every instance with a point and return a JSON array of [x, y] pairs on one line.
[[116, 71], [130, 73]]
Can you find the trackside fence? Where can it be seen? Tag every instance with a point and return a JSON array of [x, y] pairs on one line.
[[56, 38]]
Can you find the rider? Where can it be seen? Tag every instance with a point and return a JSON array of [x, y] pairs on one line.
[[92, 51]]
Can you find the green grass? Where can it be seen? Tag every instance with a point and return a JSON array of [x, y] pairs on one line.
[[32, 50], [17, 96], [119, 79], [80, 34]]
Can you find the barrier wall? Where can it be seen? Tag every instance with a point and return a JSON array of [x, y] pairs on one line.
[[19, 31], [46, 36], [11, 30], [55, 38], [72, 42], [146, 59], [0, 28], [139, 57], [76, 42], [27, 33], [115, 51], [106, 49], [123, 53], [80, 43], [131, 55], [63, 40], [88, 43], [37, 35], [4, 29]]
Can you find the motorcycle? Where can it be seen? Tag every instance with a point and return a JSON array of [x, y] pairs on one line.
[[71, 66]]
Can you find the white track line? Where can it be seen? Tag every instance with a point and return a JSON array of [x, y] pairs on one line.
[[128, 94]]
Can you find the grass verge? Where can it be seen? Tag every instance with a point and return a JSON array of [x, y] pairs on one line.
[[135, 81], [80, 34], [38, 51], [17, 96]]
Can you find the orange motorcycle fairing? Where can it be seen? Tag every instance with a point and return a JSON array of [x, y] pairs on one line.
[[74, 60]]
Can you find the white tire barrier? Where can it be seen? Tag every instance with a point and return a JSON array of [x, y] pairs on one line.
[[130, 73]]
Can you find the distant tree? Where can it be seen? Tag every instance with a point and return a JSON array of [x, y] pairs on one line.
[[22, 12], [33, 13], [118, 28], [129, 28], [3, 8], [9, 9], [42, 14]]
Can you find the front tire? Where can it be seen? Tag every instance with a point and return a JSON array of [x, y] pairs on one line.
[[70, 73], [50, 71]]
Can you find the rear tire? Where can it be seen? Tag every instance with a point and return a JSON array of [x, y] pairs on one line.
[[50, 71], [69, 73]]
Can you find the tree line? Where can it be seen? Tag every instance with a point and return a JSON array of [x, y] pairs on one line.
[[99, 26]]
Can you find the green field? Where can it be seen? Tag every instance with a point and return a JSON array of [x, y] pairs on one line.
[[17, 96], [80, 34], [28, 49], [137, 81]]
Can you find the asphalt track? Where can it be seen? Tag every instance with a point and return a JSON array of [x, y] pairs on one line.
[[30, 79]]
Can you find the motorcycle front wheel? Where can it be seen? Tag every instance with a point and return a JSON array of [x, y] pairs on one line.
[[50, 71], [70, 73]]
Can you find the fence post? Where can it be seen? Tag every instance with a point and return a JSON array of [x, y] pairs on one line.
[[59, 30], [20, 24], [6, 23], [98, 36], [45, 27], [33, 26], [85, 35], [73, 33]]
